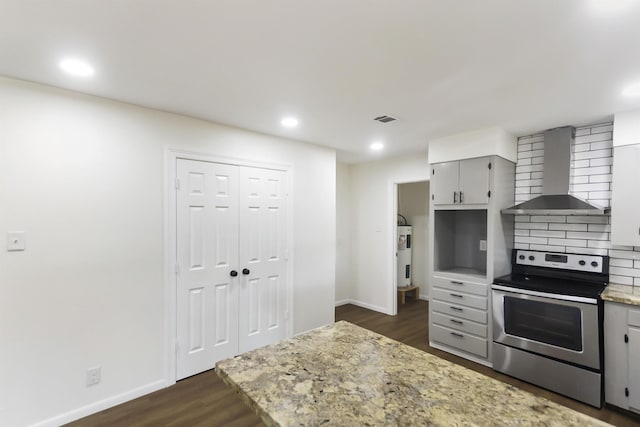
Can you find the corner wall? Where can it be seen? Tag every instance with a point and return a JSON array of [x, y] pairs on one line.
[[84, 177]]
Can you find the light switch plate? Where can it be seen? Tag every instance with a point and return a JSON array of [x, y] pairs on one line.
[[16, 240], [483, 245]]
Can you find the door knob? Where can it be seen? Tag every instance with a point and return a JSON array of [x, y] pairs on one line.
[[245, 271], [233, 273]]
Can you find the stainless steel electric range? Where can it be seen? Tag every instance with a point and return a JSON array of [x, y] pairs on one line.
[[547, 322]]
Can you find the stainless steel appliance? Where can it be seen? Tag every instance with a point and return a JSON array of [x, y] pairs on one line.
[[547, 322]]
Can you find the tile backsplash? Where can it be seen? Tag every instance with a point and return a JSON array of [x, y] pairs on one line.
[[591, 162]]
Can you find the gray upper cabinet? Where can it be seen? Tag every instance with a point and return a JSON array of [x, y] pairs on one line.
[[625, 200], [461, 182]]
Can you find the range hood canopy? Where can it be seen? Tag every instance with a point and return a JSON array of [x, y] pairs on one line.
[[555, 198]]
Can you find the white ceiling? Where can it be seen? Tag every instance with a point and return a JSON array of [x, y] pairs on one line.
[[439, 66]]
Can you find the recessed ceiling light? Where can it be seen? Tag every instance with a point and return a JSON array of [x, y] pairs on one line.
[[289, 122], [76, 67], [377, 146], [632, 90]]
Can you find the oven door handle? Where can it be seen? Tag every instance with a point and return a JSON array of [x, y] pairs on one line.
[[571, 298]]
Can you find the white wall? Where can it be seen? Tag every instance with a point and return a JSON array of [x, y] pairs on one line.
[[84, 177], [344, 223], [413, 203], [373, 225]]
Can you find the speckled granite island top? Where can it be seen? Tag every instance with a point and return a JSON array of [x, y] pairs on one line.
[[623, 294], [344, 375]]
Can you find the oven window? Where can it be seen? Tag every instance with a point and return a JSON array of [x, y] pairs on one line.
[[544, 322]]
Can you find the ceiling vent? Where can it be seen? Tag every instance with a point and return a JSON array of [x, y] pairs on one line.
[[384, 119]]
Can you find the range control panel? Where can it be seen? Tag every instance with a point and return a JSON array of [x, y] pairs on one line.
[[590, 263]]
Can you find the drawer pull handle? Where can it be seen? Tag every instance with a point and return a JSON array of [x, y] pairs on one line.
[[455, 308], [456, 295], [457, 335], [456, 283], [457, 322]]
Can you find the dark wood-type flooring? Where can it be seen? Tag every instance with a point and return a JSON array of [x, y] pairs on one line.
[[204, 400]]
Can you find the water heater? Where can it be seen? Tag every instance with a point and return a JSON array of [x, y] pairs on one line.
[[404, 256]]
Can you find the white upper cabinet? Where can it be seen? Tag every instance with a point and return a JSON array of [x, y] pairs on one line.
[[625, 199], [461, 182], [626, 128]]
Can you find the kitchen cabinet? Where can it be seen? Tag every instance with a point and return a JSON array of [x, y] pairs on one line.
[[461, 182], [470, 243], [625, 200], [622, 347]]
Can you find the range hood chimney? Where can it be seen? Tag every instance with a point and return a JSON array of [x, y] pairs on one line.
[[555, 199]]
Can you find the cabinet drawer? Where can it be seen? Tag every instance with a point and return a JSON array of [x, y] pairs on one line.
[[460, 340], [459, 311], [461, 285], [460, 324], [460, 298], [634, 317]]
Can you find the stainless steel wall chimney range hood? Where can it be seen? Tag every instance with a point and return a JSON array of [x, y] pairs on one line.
[[555, 198]]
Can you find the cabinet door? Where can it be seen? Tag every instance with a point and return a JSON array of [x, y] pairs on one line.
[[615, 354], [474, 181], [444, 183], [634, 368], [625, 202]]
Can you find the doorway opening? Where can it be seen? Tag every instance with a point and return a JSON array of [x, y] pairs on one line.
[[411, 231]]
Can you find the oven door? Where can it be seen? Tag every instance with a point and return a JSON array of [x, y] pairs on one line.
[[559, 326]]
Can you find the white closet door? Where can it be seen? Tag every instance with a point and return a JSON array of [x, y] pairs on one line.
[[207, 251], [263, 284]]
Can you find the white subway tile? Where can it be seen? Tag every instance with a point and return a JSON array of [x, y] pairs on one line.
[[595, 219], [531, 154], [599, 195], [636, 281], [531, 182], [531, 225], [592, 154], [602, 136], [568, 242], [547, 248], [599, 227], [523, 162], [594, 186], [578, 148], [581, 163], [521, 232], [548, 218], [523, 190], [605, 127], [584, 195], [586, 251], [617, 262], [568, 227], [521, 246], [587, 235], [537, 175], [529, 168], [537, 160], [520, 198], [524, 139], [600, 178], [523, 218], [523, 176], [579, 179], [583, 131], [547, 233], [535, 240], [621, 280], [603, 161], [599, 244], [536, 190], [621, 271], [537, 138], [624, 254], [592, 170], [525, 147], [538, 146], [603, 203], [601, 145]]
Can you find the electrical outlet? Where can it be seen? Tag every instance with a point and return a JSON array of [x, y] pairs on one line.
[[483, 245], [93, 376]]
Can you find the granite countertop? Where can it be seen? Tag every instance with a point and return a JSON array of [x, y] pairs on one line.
[[624, 294], [342, 375]]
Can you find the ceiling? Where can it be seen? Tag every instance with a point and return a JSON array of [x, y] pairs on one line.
[[440, 67]]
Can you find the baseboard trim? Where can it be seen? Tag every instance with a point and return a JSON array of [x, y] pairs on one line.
[[101, 405], [365, 305], [343, 302]]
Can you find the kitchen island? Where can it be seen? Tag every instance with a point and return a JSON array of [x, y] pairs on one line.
[[342, 374]]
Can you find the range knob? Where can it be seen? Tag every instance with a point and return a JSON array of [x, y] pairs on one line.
[[531, 257], [594, 264], [582, 262], [521, 257]]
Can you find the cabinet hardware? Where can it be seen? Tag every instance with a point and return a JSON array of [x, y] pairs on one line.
[[456, 295], [456, 283], [489, 166], [246, 271], [432, 197], [461, 197], [458, 322], [433, 171], [626, 391], [455, 197], [233, 273], [457, 335], [626, 338], [489, 194], [455, 308]]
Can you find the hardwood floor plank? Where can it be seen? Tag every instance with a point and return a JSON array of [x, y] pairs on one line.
[[204, 400]]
